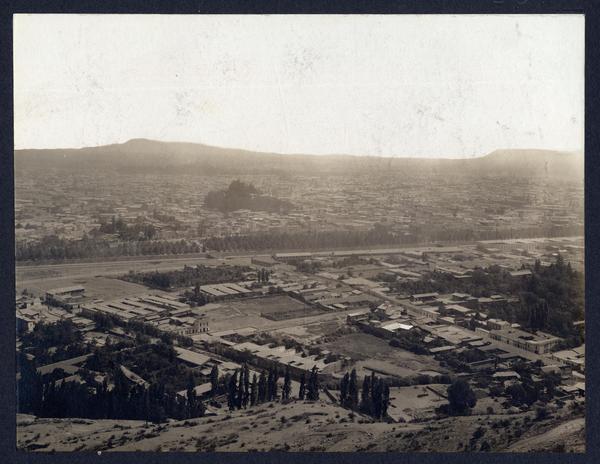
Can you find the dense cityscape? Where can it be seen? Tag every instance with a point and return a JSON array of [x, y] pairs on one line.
[[319, 312], [280, 236]]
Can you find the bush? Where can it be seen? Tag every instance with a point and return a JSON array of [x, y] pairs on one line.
[[460, 397], [541, 413], [477, 434]]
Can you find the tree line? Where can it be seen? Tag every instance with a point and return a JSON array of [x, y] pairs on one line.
[[54, 248], [378, 235]]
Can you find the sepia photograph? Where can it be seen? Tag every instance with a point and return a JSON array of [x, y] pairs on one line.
[[299, 233]]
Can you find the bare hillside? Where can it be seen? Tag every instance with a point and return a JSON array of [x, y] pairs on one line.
[[299, 426]]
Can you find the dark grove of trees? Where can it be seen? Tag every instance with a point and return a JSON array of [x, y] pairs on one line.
[[483, 283], [374, 396], [95, 400], [461, 398], [553, 298], [63, 337], [528, 391], [188, 276], [550, 300], [240, 195]]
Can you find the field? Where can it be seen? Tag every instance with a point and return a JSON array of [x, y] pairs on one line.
[[260, 313], [306, 333], [95, 287], [414, 402], [270, 306], [371, 353], [28, 274]]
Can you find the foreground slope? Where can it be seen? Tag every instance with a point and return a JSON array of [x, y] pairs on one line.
[[299, 426]]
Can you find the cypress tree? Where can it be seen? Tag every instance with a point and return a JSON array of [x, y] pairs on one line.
[[214, 379], [231, 390], [385, 401], [191, 397], [254, 391], [287, 385], [274, 386], [262, 388], [302, 389], [239, 400], [344, 389], [377, 397], [353, 390], [365, 396], [270, 384], [312, 393], [373, 385], [246, 397]]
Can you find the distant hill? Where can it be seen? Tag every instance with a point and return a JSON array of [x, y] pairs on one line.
[[142, 155]]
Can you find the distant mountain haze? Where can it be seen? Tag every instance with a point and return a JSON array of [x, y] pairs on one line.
[[143, 155]]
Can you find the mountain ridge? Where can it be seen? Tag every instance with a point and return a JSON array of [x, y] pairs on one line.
[[146, 154]]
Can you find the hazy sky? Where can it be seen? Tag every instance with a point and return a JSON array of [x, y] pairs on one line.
[[372, 85]]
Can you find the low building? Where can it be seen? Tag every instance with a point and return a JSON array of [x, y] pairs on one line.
[[539, 342], [397, 327], [576, 390], [520, 274], [457, 310], [428, 312], [192, 358], [200, 390], [191, 325], [70, 297], [574, 357], [497, 324], [358, 315], [424, 297], [24, 323], [452, 335], [264, 261], [225, 291]]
